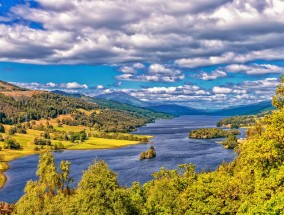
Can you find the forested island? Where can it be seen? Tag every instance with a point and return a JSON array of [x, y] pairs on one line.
[[151, 153], [211, 133]]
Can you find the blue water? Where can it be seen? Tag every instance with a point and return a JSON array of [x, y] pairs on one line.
[[171, 142]]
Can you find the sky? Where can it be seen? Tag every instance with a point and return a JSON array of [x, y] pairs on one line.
[[197, 53]]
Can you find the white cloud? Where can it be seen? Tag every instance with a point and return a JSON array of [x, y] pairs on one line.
[[139, 65], [51, 85], [75, 85], [255, 69], [100, 87], [212, 76], [190, 33], [221, 90], [127, 69], [154, 73]]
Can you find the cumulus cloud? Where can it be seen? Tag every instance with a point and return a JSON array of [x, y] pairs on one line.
[[246, 92], [52, 86], [213, 75], [154, 73], [255, 69], [100, 87], [189, 33]]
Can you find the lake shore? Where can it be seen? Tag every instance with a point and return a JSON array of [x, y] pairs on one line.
[[97, 144]]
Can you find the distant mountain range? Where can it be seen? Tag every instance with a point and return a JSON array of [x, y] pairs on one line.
[[178, 110], [123, 98]]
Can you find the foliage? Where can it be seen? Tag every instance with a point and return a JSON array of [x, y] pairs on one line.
[[209, 133], [237, 121], [10, 143], [2, 129], [81, 136], [231, 142], [42, 142], [278, 99], [151, 153]]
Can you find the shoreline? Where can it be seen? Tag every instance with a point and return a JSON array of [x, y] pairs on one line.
[[4, 165]]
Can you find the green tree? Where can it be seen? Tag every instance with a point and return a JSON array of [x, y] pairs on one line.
[[2, 129], [65, 176], [99, 193], [46, 171], [278, 98]]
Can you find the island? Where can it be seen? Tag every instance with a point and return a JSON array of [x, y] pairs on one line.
[[211, 133], [151, 153]]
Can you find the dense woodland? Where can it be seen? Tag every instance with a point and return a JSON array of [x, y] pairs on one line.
[[252, 184], [237, 121], [210, 133], [23, 106]]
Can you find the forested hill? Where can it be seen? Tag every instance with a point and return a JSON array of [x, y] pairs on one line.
[[21, 105], [7, 87], [114, 105]]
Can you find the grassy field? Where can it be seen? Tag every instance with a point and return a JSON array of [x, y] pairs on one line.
[[28, 147]]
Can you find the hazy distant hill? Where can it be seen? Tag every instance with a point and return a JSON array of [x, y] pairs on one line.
[[250, 109], [111, 104], [123, 98], [177, 110], [173, 109]]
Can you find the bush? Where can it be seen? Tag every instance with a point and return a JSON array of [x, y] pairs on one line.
[[2, 129], [42, 142], [12, 130], [231, 142], [11, 143], [36, 148], [1, 138], [151, 153]]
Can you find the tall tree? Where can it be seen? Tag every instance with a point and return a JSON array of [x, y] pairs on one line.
[[278, 98]]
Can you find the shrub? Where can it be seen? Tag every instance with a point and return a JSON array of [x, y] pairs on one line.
[[12, 130], [2, 129], [11, 143]]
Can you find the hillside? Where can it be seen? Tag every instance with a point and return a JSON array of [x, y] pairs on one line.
[[250, 109], [20, 105], [123, 98], [110, 104], [177, 110], [7, 87]]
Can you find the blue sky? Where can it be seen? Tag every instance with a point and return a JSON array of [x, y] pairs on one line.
[[201, 54]]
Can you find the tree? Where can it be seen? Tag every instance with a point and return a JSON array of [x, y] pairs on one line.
[[99, 193], [46, 171], [65, 176], [231, 142], [2, 129], [12, 130], [11, 143], [278, 98]]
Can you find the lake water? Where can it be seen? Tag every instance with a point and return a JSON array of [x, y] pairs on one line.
[[171, 142]]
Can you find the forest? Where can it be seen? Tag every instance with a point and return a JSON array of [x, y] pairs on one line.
[[251, 184], [210, 133], [19, 105]]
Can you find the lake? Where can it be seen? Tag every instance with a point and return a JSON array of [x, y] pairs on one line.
[[171, 142]]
